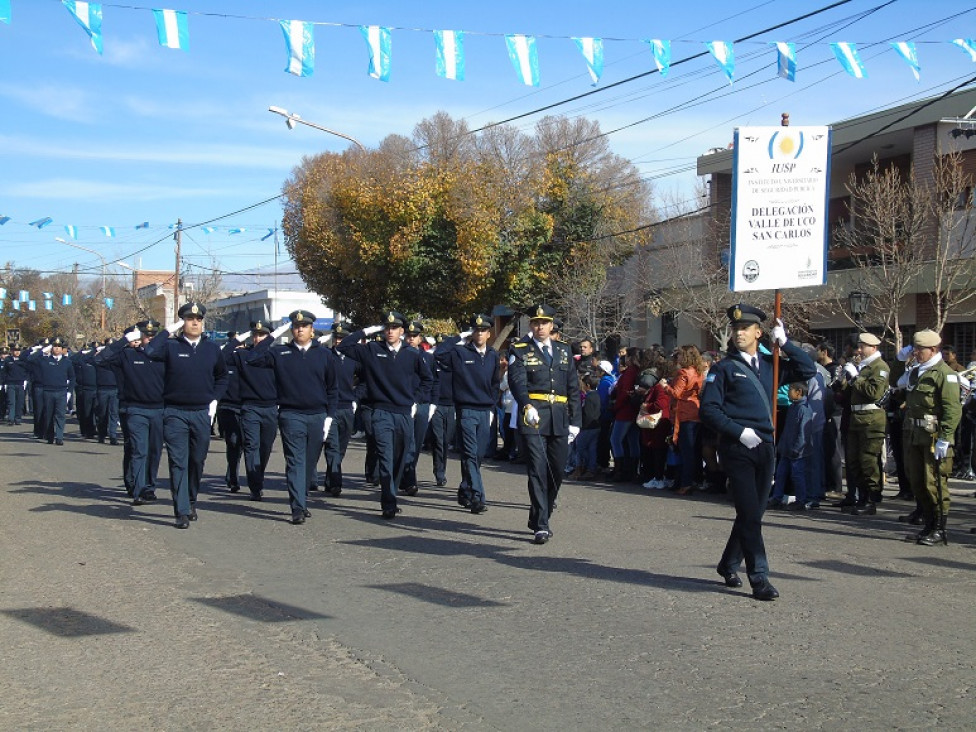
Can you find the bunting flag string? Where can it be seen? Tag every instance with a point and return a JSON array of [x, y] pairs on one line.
[[592, 50], [449, 53], [301, 47], [89, 16], [723, 53], [662, 55], [846, 54], [173, 29], [379, 41], [786, 60], [525, 58], [907, 51]]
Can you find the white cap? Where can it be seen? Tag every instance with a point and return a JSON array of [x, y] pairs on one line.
[[606, 366]]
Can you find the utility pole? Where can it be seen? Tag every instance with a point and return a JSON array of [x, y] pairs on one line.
[[176, 273]]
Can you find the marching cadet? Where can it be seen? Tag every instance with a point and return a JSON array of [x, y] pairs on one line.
[[34, 391], [932, 413], [389, 369], [229, 414], [442, 417], [421, 418], [15, 376], [86, 390], [543, 381], [866, 383], [259, 412], [56, 379], [342, 427], [195, 379], [735, 403], [106, 399], [141, 408], [305, 379], [4, 355], [472, 368]]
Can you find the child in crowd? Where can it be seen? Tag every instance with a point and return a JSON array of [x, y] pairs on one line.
[[794, 447], [590, 430]]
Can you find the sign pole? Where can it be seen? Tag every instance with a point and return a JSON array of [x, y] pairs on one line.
[[777, 314]]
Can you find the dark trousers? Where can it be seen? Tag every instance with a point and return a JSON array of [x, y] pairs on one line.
[[750, 473], [15, 402], [833, 451], [107, 408], [51, 414], [301, 441], [371, 468], [186, 433], [229, 422], [335, 446], [143, 428], [393, 433], [35, 396], [475, 429], [259, 426], [442, 426], [420, 420], [85, 409], [545, 456], [864, 481]]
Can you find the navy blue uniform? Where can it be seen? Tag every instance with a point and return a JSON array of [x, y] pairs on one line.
[[443, 421], [55, 380], [306, 385], [475, 383], [15, 375], [194, 377], [85, 392], [389, 377], [420, 419], [552, 387], [106, 400], [730, 402], [342, 426], [259, 419], [141, 398], [229, 419]]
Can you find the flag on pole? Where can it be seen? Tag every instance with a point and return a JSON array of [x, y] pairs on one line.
[[846, 54], [592, 50], [723, 53], [786, 60], [300, 41], [380, 42], [662, 55], [89, 16], [525, 59], [109, 231], [906, 50], [173, 29], [66, 300], [449, 53], [968, 45]]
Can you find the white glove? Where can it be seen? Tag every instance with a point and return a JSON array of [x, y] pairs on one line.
[[354, 407], [430, 411], [413, 411], [465, 335], [326, 428], [532, 416], [174, 326], [749, 438], [46, 350], [133, 335], [325, 338], [491, 417], [941, 449], [850, 369], [276, 333], [573, 433], [242, 336], [430, 341], [3, 387], [35, 349], [905, 353], [779, 332], [67, 398], [372, 329], [212, 409]]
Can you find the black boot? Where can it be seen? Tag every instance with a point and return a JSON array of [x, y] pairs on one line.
[[914, 518], [622, 470]]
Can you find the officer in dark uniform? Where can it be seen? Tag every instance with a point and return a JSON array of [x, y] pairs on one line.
[[543, 381], [414, 339], [442, 418], [229, 414], [15, 376], [472, 368], [141, 407], [735, 403], [342, 427], [389, 371], [259, 412], [34, 390], [56, 378], [106, 399], [195, 379], [932, 413], [305, 378], [4, 355], [86, 390]]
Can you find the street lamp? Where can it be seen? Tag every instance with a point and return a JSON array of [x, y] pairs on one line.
[[92, 251], [292, 119], [859, 303]]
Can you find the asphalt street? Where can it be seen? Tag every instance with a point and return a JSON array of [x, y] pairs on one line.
[[113, 619]]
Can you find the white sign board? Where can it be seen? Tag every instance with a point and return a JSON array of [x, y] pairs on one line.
[[779, 208]]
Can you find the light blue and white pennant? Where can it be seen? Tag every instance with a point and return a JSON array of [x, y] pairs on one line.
[[662, 54], [71, 231], [300, 41], [906, 49], [968, 45], [846, 54], [724, 55], [379, 40], [449, 54], [524, 57], [592, 50], [786, 60], [89, 16], [173, 29]]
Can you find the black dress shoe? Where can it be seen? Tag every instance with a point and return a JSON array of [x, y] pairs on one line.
[[441, 482], [113, 441], [764, 592], [336, 492], [932, 538], [478, 508], [844, 502], [138, 501], [259, 496], [234, 488], [390, 513], [914, 518], [305, 513], [182, 522], [193, 514], [149, 496], [731, 579], [59, 442], [541, 537], [410, 490], [297, 518], [868, 509], [463, 499]]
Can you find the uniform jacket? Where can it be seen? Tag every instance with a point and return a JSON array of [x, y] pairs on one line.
[[142, 378], [194, 377], [475, 379], [870, 385], [306, 381], [389, 378], [935, 392], [257, 385], [529, 374], [57, 374]]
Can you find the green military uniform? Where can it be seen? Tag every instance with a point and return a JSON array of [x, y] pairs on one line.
[[866, 433], [932, 412]]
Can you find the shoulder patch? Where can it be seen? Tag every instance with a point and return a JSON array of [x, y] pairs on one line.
[[953, 378], [710, 378], [882, 373]]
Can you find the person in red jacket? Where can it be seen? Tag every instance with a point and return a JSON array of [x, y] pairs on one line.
[[685, 389], [624, 437]]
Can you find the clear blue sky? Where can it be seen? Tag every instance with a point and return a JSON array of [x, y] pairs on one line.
[[145, 133]]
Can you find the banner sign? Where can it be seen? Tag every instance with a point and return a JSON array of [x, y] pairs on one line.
[[781, 185]]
